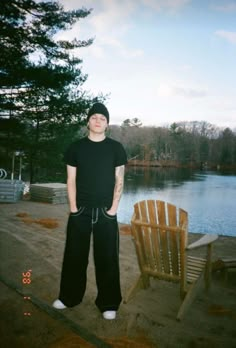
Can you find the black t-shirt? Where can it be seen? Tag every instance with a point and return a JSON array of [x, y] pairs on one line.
[[95, 163]]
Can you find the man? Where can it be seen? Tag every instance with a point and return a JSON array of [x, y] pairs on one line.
[[95, 177]]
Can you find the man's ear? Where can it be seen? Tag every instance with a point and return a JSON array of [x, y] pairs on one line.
[[87, 125]]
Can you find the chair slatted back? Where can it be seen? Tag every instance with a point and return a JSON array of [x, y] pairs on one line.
[[160, 234]]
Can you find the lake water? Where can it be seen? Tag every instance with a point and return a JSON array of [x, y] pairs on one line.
[[208, 197]]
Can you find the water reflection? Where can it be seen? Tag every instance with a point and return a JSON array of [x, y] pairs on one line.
[[209, 197], [144, 177]]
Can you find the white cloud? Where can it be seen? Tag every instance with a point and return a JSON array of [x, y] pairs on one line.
[[185, 67], [104, 44], [224, 104], [227, 7], [108, 24], [159, 5], [76, 4], [110, 14], [119, 47], [229, 36], [188, 92], [95, 51], [166, 90], [105, 15], [124, 7]]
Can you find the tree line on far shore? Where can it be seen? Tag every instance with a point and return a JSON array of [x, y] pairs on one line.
[[197, 144], [43, 105]]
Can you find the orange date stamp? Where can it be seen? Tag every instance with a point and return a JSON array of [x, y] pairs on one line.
[[26, 280]]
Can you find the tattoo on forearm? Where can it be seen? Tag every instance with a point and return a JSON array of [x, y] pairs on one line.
[[119, 173]]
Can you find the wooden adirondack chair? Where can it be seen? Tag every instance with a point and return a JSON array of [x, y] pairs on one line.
[[160, 235]]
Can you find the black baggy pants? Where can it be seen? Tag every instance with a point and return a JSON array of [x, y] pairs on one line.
[[104, 229]]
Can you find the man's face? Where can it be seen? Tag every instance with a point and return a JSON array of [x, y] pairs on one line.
[[97, 123]]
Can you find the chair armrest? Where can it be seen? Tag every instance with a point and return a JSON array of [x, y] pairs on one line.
[[203, 241]]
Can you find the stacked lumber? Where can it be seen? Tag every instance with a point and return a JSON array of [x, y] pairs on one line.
[[54, 193], [11, 190]]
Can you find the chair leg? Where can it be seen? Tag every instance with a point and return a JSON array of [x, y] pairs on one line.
[[145, 281], [208, 268], [141, 283], [207, 277], [192, 291]]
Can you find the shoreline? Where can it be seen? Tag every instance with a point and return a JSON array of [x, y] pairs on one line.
[[174, 164]]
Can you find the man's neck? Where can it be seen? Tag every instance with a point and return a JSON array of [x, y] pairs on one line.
[[96, 137]]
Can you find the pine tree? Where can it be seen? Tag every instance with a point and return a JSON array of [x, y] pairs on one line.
[[40, 79]]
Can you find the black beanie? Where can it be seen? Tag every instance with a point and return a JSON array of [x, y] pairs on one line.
[[98, 108]]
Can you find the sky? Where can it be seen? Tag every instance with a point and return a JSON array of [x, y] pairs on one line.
[[161, 61]]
